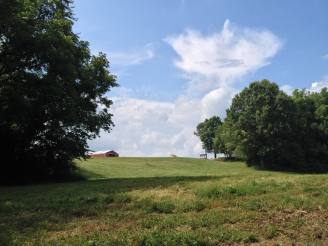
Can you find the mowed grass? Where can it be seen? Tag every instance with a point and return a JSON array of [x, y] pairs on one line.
[[168, 201]]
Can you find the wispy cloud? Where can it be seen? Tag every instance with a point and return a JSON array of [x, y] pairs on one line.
[[132, 57], [217, 61], [223, 57]]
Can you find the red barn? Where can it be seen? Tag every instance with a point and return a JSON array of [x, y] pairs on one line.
[[112, 153], [105, 153]]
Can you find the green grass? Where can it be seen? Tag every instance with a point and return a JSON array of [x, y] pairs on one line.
[[168, 201]]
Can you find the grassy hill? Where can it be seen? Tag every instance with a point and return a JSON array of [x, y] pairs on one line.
[[168, 201]]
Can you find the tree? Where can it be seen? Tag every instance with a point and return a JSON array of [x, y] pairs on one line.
[[52, 90], [270, 129], [206, 132], [265, 118], [219, 144], [227, 140], [312, 127]]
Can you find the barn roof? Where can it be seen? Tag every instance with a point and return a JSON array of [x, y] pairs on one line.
[[101, 152]]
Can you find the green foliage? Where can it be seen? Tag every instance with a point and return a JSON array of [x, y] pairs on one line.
[[206, 132], [273, 130], [227, 140], [263, 117], [312, 127], [219, 143], [52, 90]]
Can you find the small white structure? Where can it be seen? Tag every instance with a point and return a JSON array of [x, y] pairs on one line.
[[104, 153]]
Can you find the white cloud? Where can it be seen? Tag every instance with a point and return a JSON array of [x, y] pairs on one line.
[[149, 128], [315, 86], [288, 89], [217, 101], [319, 85], [133, 57], [223, 57], [214, 63]]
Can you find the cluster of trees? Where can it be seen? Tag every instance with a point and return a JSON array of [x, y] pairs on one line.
[[270, 129], [52, 90]]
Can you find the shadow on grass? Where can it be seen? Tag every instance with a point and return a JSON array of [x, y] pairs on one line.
[[30, 209], [322, 169], [125, 184], [137, 183]]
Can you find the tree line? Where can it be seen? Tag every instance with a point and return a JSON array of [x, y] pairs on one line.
[[270, 129]]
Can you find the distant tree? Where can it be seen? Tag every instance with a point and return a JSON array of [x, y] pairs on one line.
[[219, 144], [227, 140], [206, 132], [52, 90]]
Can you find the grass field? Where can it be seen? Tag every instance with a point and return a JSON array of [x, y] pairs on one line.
[[168, 201]]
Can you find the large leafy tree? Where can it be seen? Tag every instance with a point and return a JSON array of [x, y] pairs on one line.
[[274, 130], [206, 131], [52, 90], [264, 117]]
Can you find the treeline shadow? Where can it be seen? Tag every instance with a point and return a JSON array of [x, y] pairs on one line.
[[316, 169], [44, 207]]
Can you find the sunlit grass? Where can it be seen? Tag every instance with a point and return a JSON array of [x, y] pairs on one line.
[[168, 201]]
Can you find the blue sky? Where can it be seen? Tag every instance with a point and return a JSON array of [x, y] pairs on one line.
[[180, 61]]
